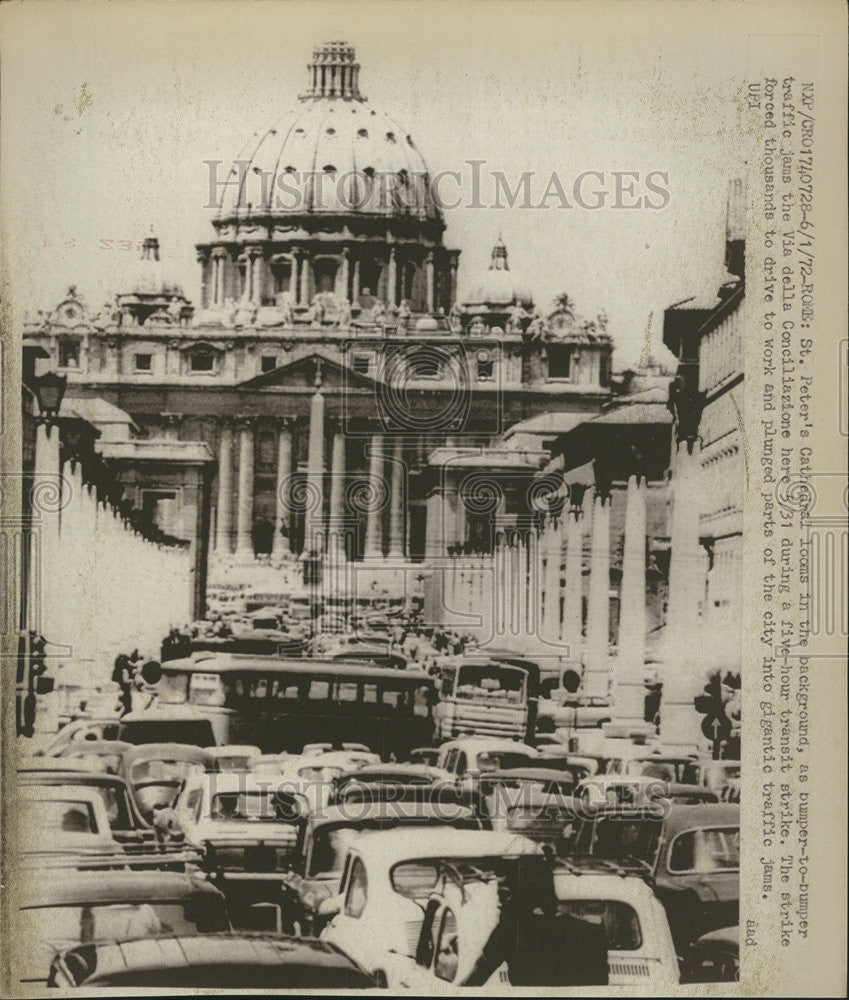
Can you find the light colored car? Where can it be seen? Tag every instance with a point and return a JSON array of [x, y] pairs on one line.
[[387, 879], [234, 758], [460, 945], [312, 774], [64, 818], [479, 754], [245, 825]]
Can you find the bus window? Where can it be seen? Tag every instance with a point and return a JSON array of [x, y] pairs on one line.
[[422, 702], [345, 691], [206, 689], [370, 695], [172, 688], [319, 690]]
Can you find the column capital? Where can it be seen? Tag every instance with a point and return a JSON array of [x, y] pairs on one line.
[[245, 423], [576, 492], [285, 423]]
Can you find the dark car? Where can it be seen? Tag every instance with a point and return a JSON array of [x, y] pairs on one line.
[[210, 961], [69, 908], [127, 824], [713, 958], [692, 853], [322, 848]]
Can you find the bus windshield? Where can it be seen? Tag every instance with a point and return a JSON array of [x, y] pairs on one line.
[[492, 682]]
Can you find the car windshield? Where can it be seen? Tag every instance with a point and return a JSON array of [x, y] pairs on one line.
[[621, 839], [164, 770], [330, 847], [59, 816], [258, 806], [683, 772], [706, 851], [237, 976]]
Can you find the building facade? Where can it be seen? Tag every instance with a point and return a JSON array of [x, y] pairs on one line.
[[329, 366]]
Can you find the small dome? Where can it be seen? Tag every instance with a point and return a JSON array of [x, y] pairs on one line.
[[498, 286], [332, 154], [150, 278]]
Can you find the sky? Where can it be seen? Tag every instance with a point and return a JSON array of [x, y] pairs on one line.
[[110, 112]]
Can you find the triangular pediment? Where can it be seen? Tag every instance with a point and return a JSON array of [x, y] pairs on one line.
[[307, 372]]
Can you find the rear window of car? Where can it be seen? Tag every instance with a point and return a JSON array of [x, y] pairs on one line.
[[619, 920], [50, 816], [705, 851]]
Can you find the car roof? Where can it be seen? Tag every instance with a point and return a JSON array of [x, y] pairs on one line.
[[166, 751], [230, 782], [77, 888], [369, 812], [684, 817], [387, 847], [177, 951], [599, 882], [75, 779], [95, 746], [529, 774], [482, 744]]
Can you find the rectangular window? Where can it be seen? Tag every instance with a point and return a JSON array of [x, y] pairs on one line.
[[267, 363], [144, 362], [202, 362], [69, 354], [560, 361], [361, 364]]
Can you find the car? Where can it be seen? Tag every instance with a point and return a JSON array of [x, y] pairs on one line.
[[472, 931], [246, 827], [714, 957], [387, 878], [126, 823], [367, 778], [209, 961], [91, 728], [311, 774], [535, 802], [479, 753], [318, 861], [722, 777], [619, 791], [62, 819], [105, 753], [692, 853], [178, 723], [683, 769], [424, 755], [155, 773], [234, 758], [577, 711], [71, 907]]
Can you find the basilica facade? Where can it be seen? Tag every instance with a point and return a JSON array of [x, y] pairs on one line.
[[351, 402]]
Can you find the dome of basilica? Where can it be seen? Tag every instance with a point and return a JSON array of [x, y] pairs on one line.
[[332, 154], [498, 286]]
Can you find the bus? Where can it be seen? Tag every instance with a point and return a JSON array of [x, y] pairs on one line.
[[479, 696], [281, 704]]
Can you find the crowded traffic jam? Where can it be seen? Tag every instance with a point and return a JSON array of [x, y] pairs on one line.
[[388, 807]]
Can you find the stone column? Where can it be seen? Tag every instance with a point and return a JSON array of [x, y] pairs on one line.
[[245, 509], [374, 524], [294, 281], [305, 281], [574, 590], [281, 545], [355, 291], [344, 275], [314, 500], [551, 582], [429, 281], [254, 255], [683, 663], [629, 696], [392, 280], [396, 502], [596, 666], [223, 540], [336, 524], [453, 287]]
